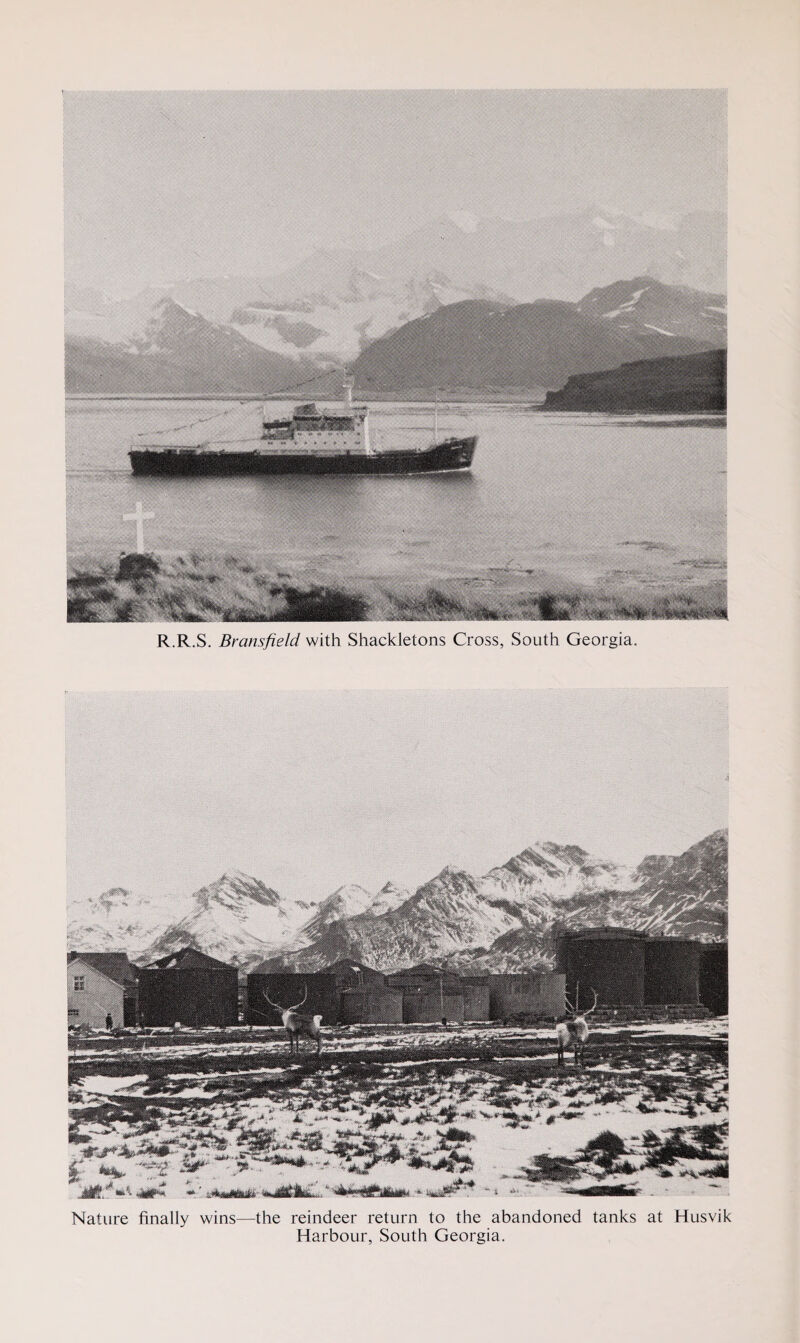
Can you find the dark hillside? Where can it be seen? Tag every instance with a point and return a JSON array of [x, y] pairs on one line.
[[695, 382]]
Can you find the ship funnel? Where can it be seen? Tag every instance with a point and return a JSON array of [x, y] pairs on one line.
[[348, 393]]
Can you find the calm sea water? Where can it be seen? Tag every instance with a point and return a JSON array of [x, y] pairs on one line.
[[585, 497]]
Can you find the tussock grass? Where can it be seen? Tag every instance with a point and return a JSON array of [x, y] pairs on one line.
[[191, 588], [360, 1119], [606, 1142]]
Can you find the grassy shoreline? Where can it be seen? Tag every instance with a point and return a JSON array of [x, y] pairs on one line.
[[223, 588]]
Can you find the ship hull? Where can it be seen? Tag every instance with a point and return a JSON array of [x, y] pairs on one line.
[[453, 455]]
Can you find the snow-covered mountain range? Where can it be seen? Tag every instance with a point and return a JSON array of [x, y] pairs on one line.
[[483, 344], [260, 333], [504, 920]]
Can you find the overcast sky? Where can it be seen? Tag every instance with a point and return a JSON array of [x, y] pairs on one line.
[[309, 791], [168, 186]]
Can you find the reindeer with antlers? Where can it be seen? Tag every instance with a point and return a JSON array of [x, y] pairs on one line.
[[297, 1023], [574, 1030]]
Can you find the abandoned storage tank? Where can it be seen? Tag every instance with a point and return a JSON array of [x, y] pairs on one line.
[[536, 996], [429, 993], [608, 960], [432, 1005], [320, 991], [714, 977], [371, 1006], [191, 988], [672, 972], [475, 990]]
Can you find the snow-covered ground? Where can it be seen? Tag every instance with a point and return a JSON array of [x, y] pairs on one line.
[[403, 1111]]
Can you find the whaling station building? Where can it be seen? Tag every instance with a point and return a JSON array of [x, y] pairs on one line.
[[191, 988], [350, 992], [632, 972], [101, 984], [659, 976]]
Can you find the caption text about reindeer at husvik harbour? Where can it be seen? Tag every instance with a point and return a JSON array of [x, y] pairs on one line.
[[457, 1226]]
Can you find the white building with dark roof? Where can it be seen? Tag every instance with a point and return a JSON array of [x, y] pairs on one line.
[[100, 984]]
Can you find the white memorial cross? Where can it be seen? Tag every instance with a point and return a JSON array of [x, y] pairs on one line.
[[139, 517]]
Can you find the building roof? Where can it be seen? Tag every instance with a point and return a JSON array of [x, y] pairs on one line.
[[346, 969], [341, 971], [603, 930], [188, 958], [113, 964], [423, 974]]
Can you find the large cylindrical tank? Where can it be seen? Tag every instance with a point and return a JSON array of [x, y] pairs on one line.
[[672, 971], [614, 966], [288, 989], [476, 1000], [371, 1005], [426, 977], [535, 996], [194, 996], [355, 975], [431, 1004], [714, 977]]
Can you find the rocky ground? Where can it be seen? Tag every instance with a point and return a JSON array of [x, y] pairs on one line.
[[393, 1111]]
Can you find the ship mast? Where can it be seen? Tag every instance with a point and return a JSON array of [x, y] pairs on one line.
[[435, 414]]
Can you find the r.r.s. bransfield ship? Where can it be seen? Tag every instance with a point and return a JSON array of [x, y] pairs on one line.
[[314, 442]]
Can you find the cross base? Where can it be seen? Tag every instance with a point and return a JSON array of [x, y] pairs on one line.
[[138, 564]]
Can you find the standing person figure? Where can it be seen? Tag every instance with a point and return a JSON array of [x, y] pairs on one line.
[[109, 1021]]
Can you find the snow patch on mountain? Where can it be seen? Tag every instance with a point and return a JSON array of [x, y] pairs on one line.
[[464, 220], [340, 321]]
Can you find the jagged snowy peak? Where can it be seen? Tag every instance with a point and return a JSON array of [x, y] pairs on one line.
[[563, 256], [338, 321], [444, 915], [119, 920], [464, 220], [505, 920], [508, 919], [225, 333], [669, 896], [645, 305], [557, 872], [389, 897], [168, 347], [345, 903], [237, 892], [236, 918], [687, 894]]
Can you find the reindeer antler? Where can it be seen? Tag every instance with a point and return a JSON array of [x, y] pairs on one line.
[[302, 1000], [594, 1004], [271, 1003], [568, 1004]]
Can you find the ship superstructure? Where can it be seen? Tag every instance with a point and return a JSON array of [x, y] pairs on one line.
[[312, 441], [327, 432]]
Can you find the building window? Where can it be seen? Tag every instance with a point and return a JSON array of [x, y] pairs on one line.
[[79, 982], [73, 1012]]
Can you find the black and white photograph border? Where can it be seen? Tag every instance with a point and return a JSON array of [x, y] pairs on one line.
[[333, 944], [396, 354]]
